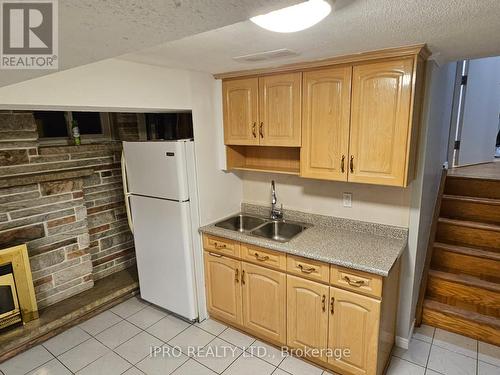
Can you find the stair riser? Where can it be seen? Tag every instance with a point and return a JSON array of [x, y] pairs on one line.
[[475, 237], [471, 211], [472, 187], [461, 326], [447, 261], [466, 297]]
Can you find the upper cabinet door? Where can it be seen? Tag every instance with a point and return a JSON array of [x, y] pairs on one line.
[[380, 122], [325, 123], [354, 324], [280, 110], [240, 104]]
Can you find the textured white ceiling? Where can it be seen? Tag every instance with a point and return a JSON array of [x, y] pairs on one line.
[[92, 30], [453, 29]]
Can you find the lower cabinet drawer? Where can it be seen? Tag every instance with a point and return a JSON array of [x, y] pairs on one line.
[[310, 269], [221, 245], [357, 281], [263, 257]]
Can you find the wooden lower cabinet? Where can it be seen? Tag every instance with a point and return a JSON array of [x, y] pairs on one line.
[[286, 308], [222, 281], [354, 324], [307, 313], [264, 302]]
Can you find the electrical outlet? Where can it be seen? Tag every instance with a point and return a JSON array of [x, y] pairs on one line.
[[347, 199]]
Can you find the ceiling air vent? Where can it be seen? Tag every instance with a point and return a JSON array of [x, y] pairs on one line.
[[266, 55]]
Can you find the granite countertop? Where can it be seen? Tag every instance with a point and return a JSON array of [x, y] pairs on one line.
[[363, 246]]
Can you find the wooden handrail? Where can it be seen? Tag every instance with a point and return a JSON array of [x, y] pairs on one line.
[[430, 248]]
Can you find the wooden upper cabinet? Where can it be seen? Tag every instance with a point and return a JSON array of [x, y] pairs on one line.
[[307, 313], [325, 123], [240, 107], [381, 116], [354, 324], [264, 302], [222, 282], [280, 109]]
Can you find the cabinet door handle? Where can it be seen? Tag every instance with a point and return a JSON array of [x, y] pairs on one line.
[[323, 303], [261, 130], [342, 164], [351, 163], [254, 130], [218, 246], [236, 275], [332, 305], [260, 257], [306, 269], [243, 277], [356, 283], [215, 255]]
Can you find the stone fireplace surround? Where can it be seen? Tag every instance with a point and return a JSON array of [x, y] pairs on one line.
[[66, 204]]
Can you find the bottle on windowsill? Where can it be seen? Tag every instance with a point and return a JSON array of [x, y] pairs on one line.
[[75, 132]]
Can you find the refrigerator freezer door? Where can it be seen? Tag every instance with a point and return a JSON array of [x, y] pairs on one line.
[[157, 169], [164, 256]]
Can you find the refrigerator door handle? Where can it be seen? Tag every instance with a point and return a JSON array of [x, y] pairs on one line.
[[126, 193]]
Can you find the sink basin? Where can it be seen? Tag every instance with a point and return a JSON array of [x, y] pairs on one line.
[[280, 231], [241, 223]]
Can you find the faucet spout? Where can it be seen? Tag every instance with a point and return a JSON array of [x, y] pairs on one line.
[[276, 213]]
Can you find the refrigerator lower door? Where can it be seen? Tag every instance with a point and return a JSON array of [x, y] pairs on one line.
[[164, 254]]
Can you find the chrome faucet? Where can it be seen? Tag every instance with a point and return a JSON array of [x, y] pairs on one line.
[[276, 213]]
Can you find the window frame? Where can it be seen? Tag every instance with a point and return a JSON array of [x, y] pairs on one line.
[[105, 135]]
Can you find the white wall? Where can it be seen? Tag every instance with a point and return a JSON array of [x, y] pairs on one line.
[[432, 153], [386, 205], [108, 84], [481, 111]]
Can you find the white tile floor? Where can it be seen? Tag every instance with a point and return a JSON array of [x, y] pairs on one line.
[[118, 341]]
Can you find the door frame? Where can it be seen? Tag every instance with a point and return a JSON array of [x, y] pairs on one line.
[[457, 113]]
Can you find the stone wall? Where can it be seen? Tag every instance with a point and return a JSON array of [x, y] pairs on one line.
[[66, 203]]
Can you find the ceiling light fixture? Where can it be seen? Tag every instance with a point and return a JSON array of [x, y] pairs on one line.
[[294, 18]]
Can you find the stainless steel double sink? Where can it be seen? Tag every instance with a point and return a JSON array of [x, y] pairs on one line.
[[276, 230]]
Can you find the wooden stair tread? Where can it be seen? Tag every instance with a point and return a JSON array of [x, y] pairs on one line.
[[466, 280], [470, 224], [468, 323], [468, 315], [490, 201], [470, 251]]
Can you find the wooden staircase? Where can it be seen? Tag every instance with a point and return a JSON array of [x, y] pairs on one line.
[[462, 280]]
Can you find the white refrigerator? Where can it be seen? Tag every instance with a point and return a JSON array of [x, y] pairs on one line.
[[161, 199]]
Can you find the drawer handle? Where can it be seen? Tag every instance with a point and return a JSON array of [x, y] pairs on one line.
[[218, 246], [323, 304], [215, 255], [306, 269], [332, 305], [356, 283], [236, 274], [261, 258]]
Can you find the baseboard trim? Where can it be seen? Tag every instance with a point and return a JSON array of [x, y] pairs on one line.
[[402, 342]]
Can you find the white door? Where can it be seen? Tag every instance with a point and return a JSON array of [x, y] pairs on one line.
[[157, 169], [164, 254]]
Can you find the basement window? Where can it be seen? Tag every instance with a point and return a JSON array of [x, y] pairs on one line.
[[55, 126]]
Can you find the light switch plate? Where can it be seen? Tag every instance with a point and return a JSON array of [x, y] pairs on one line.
[[347, 199]]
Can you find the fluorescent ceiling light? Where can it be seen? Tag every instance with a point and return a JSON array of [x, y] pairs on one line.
[[294, 18]]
